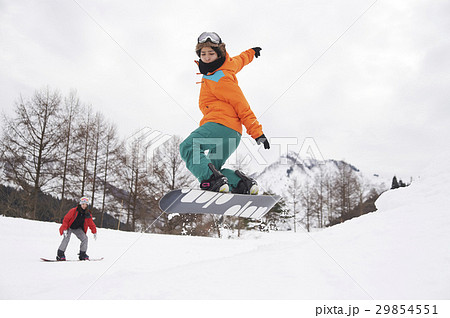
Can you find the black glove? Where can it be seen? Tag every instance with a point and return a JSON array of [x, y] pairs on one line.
[[257, 49], [263, 140]]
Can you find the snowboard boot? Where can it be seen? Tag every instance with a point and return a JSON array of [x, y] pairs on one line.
[[83, 256], [60, 256], [217, 183], [246, 185]]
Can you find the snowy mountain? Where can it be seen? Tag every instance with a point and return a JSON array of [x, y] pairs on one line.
[[398, 252], [278, 176]]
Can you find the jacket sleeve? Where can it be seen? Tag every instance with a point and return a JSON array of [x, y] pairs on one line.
[[65, 223], [243, 59], [91, 225], [229, 91]]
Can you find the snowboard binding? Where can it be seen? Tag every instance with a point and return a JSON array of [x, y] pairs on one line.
[[246, 185], [216, 183]]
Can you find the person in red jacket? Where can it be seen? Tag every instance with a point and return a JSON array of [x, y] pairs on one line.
[[77, 221], [225, 110]]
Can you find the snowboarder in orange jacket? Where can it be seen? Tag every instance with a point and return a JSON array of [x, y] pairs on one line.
[[225, 109]]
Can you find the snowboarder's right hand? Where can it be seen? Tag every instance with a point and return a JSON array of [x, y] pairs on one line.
[[263, 140], [65, 233]]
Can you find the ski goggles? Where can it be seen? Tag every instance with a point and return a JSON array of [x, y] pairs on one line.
[[212, 36], [84, 200]]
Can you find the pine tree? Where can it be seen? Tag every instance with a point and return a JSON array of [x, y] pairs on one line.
[[278, 213], [395, 184]]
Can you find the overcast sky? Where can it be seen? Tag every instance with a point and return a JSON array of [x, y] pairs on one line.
[[368, 81]]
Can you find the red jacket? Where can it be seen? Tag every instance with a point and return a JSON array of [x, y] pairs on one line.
[[72, 215]]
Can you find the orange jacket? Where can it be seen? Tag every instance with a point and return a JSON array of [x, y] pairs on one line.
[[222, 101]]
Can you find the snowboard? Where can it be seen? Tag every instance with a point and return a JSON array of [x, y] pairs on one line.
[[71, 260], [206, 202]]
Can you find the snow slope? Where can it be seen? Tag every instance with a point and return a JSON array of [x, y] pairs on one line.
[[399, 252]]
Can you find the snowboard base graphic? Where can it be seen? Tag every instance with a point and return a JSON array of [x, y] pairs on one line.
[[184, 201]]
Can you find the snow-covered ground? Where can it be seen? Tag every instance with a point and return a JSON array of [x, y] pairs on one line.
[[399, 252]]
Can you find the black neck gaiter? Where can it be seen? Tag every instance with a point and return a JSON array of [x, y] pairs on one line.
[[206, 68]]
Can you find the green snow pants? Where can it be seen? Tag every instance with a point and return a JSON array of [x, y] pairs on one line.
[[221, 142]]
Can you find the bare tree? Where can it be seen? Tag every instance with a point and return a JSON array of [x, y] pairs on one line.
[[29, 144], [329, 198], [319, 192], [135, 175], [168, 168], [346, 194], [98, 135], [112, 162], [70, 112], [85, 138], [295, 194], [169, 173], [307, 199]]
